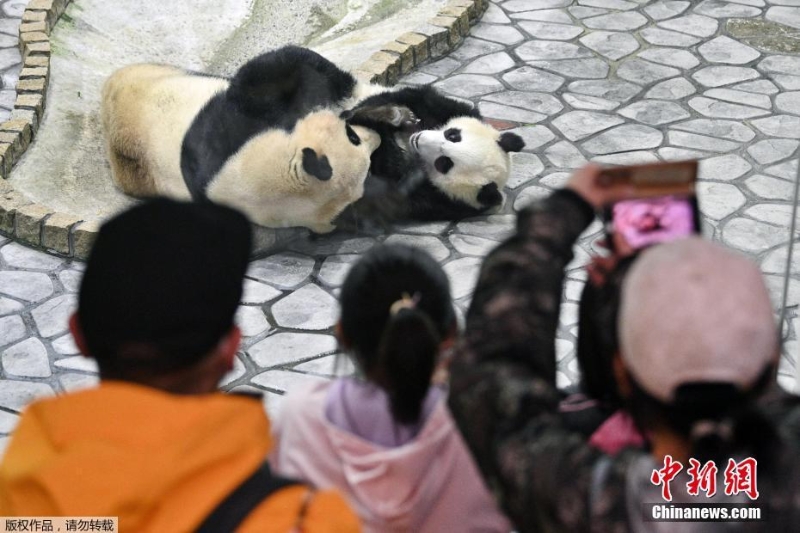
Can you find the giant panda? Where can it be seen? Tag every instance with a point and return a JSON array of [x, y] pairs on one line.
[[452, 165], [269, 141]]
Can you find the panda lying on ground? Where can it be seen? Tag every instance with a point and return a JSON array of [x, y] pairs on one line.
[[284, 141]]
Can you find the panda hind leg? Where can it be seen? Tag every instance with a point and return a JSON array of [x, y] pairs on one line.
[[131, 174]]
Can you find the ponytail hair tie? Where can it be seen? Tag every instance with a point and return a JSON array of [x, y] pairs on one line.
[[406, 302]]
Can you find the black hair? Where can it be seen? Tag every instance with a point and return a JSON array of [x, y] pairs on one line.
[[719, 419], [597, 335], [397, 350]]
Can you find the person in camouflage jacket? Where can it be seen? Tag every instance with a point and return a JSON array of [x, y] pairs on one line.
[[504, 399]]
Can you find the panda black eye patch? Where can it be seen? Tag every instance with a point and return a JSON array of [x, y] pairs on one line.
[[352, 135], [443, 164], [453, 135]]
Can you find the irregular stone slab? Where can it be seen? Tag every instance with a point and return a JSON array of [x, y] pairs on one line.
[[718, 109], [619, 91], [771, 150], [719, 76], [655, 112], [86, 364], [693, 140], [497, 33], [534, 137], [775, 263], [725, 50], [282, 348], [622, 5], [770, 188], [8, 306], [719, 9], [65, 345], [780, 65], [16, 395], [788, 102], [251, 321], [758, 86], [337, 243], [429, 243], [665, 10], [740, 97], [335, 269], [548, 31], [532, 79], [682, 59], [531, 5], [577, 125], [491, 64], [258, 293], [752, 236], [539, 102], [790, 16], [662, 37], [776, 214], [591, 103], [306, 308], [336, 365], [17, 256], [624, 139], [644, 72], [524, 167], [627, 158], [420, 78], [565, 155], [469, 85], [779, 126], [696, 25], [27, 359], [719, 200], [472, 47], [529, 195], [496, 227], [592, 68], [285, 270], [725, 129], [679, 154], [545, 15], [786, 170], [787, 83], [51, 317], [495, 15], [471, 245], [28, 286], [550, 50], [463, 274], [285, 380], [673, 89], [556, 180], [441, 68], [8, 422], [723, 168], [504, 112], [582, 12], [617, 21], [613, 45], [70, 279]]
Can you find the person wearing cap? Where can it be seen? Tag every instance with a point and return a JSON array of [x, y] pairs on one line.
[[697, 356], [157, 444]]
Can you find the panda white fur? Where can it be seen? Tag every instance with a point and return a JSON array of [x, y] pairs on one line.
[[266, 141]]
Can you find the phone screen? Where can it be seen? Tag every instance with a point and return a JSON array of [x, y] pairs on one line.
[[643, 222]]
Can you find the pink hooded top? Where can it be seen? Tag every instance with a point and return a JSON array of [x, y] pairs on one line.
[[428, 484]]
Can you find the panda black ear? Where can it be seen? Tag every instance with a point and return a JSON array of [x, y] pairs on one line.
[[511, 142]]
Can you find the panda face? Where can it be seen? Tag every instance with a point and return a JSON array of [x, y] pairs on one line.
[[467, 160]]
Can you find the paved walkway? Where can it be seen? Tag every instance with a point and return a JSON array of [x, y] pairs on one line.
[[611, 80]]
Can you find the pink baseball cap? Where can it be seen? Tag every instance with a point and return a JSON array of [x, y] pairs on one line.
[[694, 311]]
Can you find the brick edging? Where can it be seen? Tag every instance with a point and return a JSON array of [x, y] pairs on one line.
[[69, 236]]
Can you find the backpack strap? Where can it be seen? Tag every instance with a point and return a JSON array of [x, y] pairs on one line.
[[229, 514]]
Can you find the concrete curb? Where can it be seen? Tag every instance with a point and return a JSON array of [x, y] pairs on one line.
[[65, 235]]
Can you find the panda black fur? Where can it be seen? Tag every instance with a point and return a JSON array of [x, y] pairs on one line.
[[268, 141]]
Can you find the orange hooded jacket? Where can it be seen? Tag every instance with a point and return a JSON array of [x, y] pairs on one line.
[[159, 462]]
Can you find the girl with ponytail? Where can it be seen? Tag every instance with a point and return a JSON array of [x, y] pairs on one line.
[[386, 440]]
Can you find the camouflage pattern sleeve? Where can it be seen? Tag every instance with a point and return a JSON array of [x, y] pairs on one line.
[[503, 393]]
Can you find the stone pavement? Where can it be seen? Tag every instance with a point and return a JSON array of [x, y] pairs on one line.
[[616, 81]]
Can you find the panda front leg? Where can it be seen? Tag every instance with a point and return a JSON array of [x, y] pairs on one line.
[[392, 117]]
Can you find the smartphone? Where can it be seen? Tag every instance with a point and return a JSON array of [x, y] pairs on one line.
[[666, 209]]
